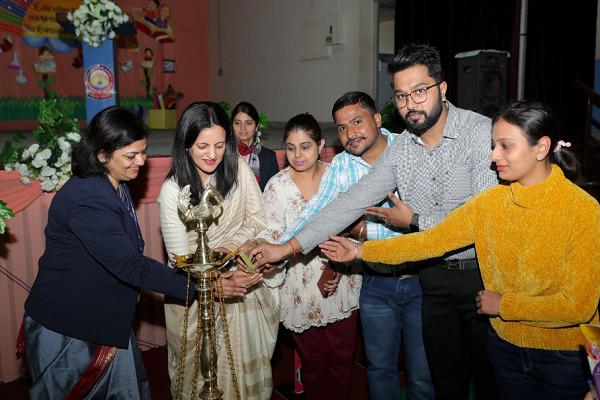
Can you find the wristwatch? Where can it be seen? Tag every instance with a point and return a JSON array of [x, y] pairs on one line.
[[414, 222]]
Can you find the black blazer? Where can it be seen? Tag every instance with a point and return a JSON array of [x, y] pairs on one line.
[[88, 278], [268, 166]]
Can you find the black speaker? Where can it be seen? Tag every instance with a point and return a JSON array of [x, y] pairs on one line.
[[482, 83]]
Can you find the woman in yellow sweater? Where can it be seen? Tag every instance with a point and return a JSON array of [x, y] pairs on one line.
[[537, 239]]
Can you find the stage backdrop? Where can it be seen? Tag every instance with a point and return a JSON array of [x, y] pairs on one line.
[[169, 48]]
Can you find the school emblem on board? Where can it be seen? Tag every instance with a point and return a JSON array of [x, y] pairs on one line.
[[99, 82]]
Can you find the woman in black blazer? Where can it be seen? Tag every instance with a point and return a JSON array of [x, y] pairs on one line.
[[261, 160], [78, 317]]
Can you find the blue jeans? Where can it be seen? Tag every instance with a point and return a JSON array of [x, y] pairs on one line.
[[524, 373], [390, 313]]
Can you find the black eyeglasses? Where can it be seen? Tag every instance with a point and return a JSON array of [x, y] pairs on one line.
[[418, 96]]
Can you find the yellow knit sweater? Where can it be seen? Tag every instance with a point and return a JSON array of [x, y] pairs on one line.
[[538, 246]]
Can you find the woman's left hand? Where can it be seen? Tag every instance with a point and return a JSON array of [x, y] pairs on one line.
[[488, 302], [331, 286]]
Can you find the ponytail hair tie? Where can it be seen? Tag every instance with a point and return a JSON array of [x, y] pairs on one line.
[[560, 144]]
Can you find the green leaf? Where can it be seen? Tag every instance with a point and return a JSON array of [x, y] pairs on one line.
[[5, 213], [247, 261], [226, 107], [9, 153], [262, 121]]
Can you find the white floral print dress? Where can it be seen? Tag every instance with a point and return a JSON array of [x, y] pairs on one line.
[[301, 303]]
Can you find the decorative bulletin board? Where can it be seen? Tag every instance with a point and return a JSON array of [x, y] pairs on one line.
[[162, 56]]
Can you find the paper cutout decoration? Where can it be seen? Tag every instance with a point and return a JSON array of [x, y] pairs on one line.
[[126, 65], [168, 66], [46, 63], [170, 98], [21, 79], [155, 24], [78, 61], [15, 64], [45, 66], [147, 65], [41, 27], [6, 44], [11, 16]]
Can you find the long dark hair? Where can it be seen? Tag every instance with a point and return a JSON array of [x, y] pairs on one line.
[[247, 108], [536, 120], [111, 129], [196, 117]]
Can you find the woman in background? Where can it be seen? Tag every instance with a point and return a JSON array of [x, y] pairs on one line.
[[262, 161], [324, 328], [204, 152], [78, 316], [538, 246]]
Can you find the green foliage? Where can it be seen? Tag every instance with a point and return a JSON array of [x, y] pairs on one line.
[[10, 150], [12, 109], [54, 123], [5, 213], [226, 106], [390, 119], [49, 158]]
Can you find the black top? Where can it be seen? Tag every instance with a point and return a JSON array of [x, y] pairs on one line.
[[268, 166], [88, 278]]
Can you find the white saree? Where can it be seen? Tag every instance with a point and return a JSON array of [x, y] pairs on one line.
[[252, 320]]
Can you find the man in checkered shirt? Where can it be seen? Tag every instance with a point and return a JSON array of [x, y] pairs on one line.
[[436, 165]]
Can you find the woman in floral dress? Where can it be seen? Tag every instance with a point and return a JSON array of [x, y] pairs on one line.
[[324, 328]]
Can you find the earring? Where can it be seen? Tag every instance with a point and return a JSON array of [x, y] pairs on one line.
[[539, 158]]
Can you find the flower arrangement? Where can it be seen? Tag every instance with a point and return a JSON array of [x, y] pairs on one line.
[[5, 213], [96, 20], [49, 159]]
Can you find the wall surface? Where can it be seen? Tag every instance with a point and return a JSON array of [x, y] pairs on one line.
[[273, 53]]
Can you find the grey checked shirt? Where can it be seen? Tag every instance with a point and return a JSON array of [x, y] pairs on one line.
[[431, 182]]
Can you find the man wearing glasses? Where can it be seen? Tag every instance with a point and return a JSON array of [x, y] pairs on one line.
[[436, 165]]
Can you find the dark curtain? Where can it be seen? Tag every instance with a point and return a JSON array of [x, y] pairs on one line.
[[461, 25], [561, 40]]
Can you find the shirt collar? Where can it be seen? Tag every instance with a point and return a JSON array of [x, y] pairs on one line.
[[451, 130]]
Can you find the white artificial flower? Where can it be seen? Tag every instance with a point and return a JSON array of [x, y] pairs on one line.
[[48, 171], [44, 154], [22, 169], [39, 163], [8, 168], [48, 185], [25, 180], [33, 148]]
